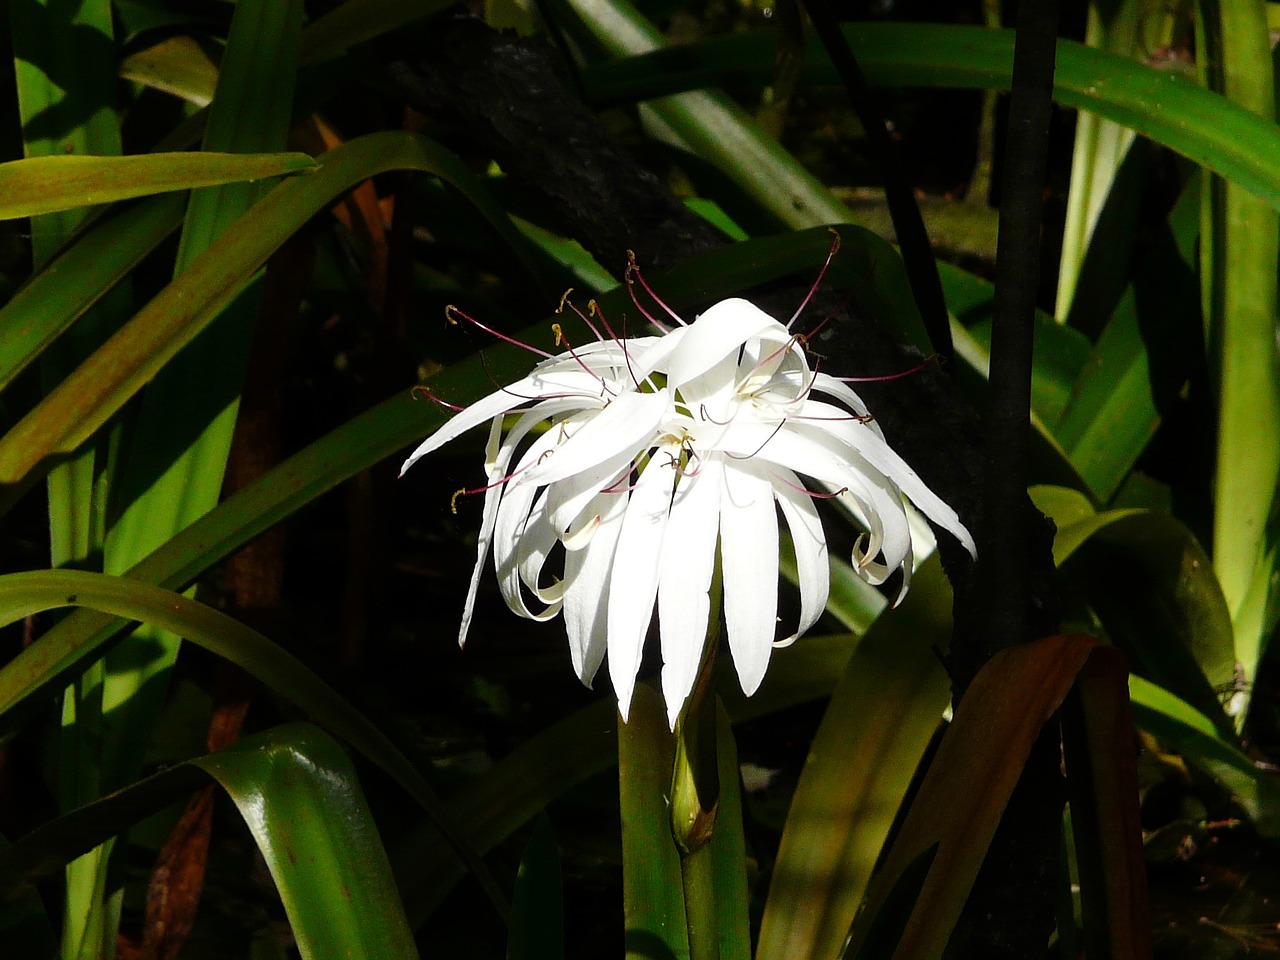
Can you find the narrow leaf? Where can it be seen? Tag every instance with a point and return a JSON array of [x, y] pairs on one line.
[[48, 184]]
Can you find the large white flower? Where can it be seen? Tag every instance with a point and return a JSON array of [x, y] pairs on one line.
[[647, 459]]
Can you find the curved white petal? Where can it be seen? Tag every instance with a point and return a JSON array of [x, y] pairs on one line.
[[530, 389], [489, 516], [749, 554], [716, 334], [586, 576], [536, 543], [622, 427], [871, 445], [634, 580], [812, 564], [688, 563]]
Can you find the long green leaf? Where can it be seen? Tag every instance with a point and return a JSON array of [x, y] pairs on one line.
[[51, 184], [180, 438], [1142, 357], [64, 67], [100, 386], [859, 766], [1239, 247], [1102, 176], [1159, 104], [47, 663], [301, 799], [78, 276]]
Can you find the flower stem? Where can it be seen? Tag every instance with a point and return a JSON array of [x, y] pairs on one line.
[[698, 880], [695, 798]]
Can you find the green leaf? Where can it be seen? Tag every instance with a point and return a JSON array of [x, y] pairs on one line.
[[537, 906], [857, 774], [1162, 105], [301, 799], [46, 664], [124, 364], [1142, 359], [1167, 611], [49, 184], [78, 276], [1102, 200], [1239, 247]]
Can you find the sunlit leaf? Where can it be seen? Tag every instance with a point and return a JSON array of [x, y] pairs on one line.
[[49, 184]]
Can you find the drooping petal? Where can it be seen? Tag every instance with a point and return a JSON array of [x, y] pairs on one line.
[[536, 543], [531, 388], [489, 516], [586, 575], [812, 563], [688, 563], [870, 444], [513, 522], [749, 552], [633, 583]]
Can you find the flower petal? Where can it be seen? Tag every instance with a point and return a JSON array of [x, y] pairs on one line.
[[688, 563], [586, 576], [531, 388], [634, 580], [716, 334], [624, 426], [812, 564], [749, 554], [489, 516]]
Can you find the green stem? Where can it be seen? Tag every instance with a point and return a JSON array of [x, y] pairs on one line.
[[698, 879]]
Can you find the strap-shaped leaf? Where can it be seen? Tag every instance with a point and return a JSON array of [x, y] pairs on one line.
[[301, 799], [49, 184], [46, 664], [125, 363]]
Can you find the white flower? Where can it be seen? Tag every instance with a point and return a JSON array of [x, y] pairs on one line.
[[647, 459]]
